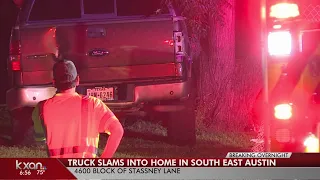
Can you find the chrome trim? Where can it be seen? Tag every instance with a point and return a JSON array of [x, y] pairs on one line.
[[94, 21], [29, 10], [120, 104], [30, 96], [161, 92], [27, 97], [157, 92]]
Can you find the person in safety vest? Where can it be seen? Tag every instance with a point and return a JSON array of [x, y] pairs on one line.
[[70, 123]]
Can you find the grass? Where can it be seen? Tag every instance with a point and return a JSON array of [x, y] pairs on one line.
[[145, 139]]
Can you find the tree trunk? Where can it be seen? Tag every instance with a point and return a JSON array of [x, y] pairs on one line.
[[216, 71]]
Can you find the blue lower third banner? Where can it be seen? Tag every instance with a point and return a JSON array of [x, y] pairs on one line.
[[194, 173]]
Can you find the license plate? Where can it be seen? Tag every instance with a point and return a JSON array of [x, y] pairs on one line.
[[102, 93]]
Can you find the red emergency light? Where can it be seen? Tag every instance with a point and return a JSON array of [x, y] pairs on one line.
[[279, 43], [284, 10], [283, 111], [311, 144]]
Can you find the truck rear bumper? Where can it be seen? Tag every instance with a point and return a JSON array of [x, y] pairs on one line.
[[30, 96], [27, 96]]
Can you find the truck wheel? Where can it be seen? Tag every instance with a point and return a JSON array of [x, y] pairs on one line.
[[181, 128], [181, 124], [22, 126]]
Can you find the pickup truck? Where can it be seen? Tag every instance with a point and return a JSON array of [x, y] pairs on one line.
[[133, 55]]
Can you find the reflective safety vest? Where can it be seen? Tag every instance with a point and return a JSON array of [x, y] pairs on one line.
[[84, 146]]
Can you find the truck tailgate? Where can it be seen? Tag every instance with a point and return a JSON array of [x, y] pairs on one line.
[[101, 51]]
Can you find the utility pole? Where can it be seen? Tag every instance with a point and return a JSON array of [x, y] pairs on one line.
[[264, 62]]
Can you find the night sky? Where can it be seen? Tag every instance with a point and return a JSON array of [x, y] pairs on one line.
[[247, 33]]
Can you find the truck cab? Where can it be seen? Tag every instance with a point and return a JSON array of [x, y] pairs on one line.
[[133, 55]]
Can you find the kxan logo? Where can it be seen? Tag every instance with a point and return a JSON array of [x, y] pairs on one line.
[[30, 165]]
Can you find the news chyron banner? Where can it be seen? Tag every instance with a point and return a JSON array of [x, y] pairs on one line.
[[236, 165]]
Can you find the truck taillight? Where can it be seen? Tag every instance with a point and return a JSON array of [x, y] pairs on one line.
[[15, 63], [279, 43], [283, 111], [15, 55], [178, 69], [18, 3], [284, 10]]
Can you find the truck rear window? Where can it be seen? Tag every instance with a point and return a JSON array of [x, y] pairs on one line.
[[140, 7], [55, 9], [98, 6], [71, 9]]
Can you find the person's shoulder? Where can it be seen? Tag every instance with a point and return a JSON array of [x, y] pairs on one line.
[[44, 102], [94, 100]]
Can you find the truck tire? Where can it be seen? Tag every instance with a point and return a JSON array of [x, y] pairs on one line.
[[181, 128], [22, 126], [181, 124]]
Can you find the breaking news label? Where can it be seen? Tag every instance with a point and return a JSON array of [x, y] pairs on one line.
[[235, 165]]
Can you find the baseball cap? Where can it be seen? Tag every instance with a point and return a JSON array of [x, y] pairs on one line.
[[64, 71]]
